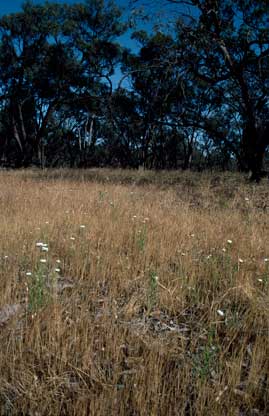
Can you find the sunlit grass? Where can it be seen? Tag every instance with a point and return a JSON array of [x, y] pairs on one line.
[[133, 293]]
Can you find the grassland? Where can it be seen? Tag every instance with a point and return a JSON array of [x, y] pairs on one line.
[[133, 293]]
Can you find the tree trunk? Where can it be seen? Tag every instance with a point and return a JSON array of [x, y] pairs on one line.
[[254, 143], [188, 153]]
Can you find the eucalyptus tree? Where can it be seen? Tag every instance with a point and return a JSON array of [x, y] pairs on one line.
[[28, 66], [122, 129], [228, 48], [225, 50], [54, 56], [157, 86]]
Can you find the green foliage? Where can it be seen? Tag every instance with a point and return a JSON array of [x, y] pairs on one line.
[[205, 360], [142, 238], [38, 290]]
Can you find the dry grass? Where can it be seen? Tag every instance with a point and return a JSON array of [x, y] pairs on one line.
[[153, 311]]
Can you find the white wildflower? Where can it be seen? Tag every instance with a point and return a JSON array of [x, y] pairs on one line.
[[39, 244], [260, 280], [43, 261], [82, 226], [72, 238], [224, 250], [44, 248], [58, 261], [266, 260], [57, 270], [220, 312], [240, 260], [28, 273]]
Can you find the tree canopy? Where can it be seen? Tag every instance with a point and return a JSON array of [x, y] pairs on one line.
[[194, 95]]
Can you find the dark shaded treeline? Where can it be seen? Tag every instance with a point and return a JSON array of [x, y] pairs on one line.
[[194, 97]]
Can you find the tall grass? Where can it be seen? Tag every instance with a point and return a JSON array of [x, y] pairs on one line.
[[152, 297]]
